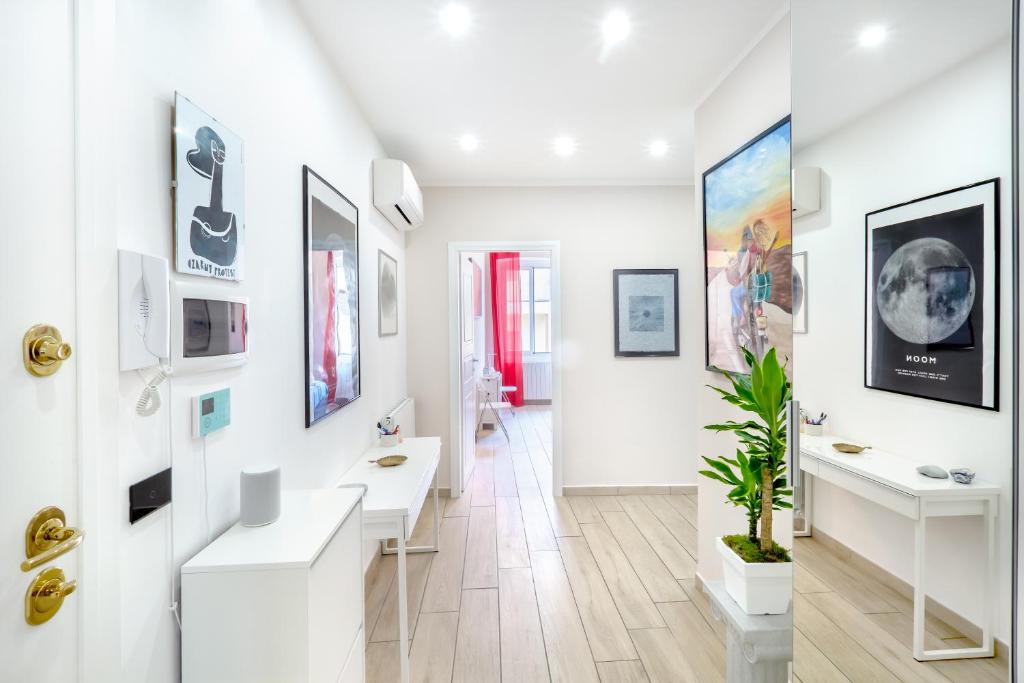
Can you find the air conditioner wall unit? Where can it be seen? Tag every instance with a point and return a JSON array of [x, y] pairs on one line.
[[806, 190], [396, 194]]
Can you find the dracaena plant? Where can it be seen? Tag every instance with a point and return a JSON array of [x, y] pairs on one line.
[[757, 474]]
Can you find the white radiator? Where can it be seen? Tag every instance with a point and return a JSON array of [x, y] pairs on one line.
[[537, 381], [405, 415]]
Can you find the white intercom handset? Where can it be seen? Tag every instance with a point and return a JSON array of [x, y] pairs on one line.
[[144, 318]]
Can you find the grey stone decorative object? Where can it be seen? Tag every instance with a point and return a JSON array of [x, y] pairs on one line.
[[962, 475], [933, 472], [758, 648]]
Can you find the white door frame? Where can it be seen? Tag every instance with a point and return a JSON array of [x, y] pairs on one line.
[[454, 353], [98, 395]]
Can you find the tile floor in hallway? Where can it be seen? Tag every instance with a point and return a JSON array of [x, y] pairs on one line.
[[528, 587]]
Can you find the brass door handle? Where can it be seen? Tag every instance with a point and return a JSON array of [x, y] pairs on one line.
[[45, 595], [44, 350], [47, 537]]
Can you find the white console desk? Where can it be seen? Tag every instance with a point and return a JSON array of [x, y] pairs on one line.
[[893, 482], [392, 504]]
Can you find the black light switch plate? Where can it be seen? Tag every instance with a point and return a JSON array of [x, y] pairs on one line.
[[149, 495]]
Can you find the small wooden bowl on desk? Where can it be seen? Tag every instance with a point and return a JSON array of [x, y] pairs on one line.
[[390, 460]]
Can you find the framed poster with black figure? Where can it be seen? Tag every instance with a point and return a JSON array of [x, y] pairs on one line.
[[932, 304], [646, 305], [331, 258], [209, 195]]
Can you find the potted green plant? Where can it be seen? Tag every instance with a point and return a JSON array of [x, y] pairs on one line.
[[758, 572]]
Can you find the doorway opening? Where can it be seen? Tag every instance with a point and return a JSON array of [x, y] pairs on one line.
[[505, 362]]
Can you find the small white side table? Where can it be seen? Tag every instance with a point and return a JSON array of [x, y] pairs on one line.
[[392, 504]]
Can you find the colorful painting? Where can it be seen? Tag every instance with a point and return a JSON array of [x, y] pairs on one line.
[[748, 252], [332, 298]]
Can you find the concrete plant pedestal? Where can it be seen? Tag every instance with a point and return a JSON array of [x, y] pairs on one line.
[[758, 648]]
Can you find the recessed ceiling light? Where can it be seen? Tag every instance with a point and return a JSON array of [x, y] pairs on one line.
[[658, 148], [455, 19], [468, 142], [615, 28], [564, 146], [872, 36]]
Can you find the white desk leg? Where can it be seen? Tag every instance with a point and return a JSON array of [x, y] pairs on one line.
[[437, 517], [919, 588], [990, 575], [403, 610]]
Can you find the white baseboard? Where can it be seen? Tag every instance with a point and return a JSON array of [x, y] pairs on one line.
[[631, 490]]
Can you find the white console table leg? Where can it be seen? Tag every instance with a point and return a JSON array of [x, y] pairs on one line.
[[919, 589], [403, 610], [986, 648]]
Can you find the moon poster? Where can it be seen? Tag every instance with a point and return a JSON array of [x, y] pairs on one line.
[[209, 198], [646, 311], [748, 252], [932, 297]]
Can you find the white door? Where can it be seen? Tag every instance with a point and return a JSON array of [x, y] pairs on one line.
[[468, 368], [37, 285]]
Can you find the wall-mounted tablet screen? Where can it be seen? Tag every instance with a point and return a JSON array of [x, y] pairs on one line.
[[213, 328]]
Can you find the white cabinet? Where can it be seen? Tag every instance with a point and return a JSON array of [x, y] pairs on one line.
[[283, 602]]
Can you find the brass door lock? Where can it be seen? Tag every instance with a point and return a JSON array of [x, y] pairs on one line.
[[44, 350], [47, 537], [46, 594]]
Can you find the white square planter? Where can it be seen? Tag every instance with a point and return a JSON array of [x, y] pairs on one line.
[[758, 588]]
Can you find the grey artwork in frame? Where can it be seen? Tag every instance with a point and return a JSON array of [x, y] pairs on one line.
[[646, 305], [387, 295], [800, 292]]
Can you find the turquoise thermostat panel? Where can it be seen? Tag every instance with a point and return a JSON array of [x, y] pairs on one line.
[[211, 412]]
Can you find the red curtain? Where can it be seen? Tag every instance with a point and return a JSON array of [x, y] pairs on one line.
[[506, 314], [331, 335]]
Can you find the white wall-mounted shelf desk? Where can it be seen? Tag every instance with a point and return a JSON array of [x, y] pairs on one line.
[[391, 505], [893, 482]]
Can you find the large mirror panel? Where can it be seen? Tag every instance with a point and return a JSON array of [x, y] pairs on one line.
[[902, 139]]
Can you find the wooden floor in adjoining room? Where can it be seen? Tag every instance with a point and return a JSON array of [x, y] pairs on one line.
[[852, 626], [528, 587]]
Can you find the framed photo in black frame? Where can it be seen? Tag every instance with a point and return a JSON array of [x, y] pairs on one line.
[[331, 292], [931, 324], [646, 305]]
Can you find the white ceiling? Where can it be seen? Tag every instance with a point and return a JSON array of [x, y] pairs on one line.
[[528, 71], [836, 81]]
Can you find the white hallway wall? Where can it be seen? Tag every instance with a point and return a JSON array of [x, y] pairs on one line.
[[625, 420], [751, 98], [256, 68], [890, 156]]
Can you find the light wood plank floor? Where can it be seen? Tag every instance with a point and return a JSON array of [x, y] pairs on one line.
[[850, 626], [528, 587]]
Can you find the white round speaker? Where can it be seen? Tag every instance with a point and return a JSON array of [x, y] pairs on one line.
[[261, 495]]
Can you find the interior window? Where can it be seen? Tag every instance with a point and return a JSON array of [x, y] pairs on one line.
[[535, 287]]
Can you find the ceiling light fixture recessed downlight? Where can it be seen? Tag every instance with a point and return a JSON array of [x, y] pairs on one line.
[[615, 28], [468, 142], [455, 19], [564, 146], [658, 148], [872, 36]]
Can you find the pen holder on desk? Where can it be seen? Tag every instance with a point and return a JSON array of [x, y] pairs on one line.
[[390, 439], [814, 430]]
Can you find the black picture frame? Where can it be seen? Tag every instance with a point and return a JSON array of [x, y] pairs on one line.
[[616, 275], [941, 347], [319, 182], [704, 233]]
